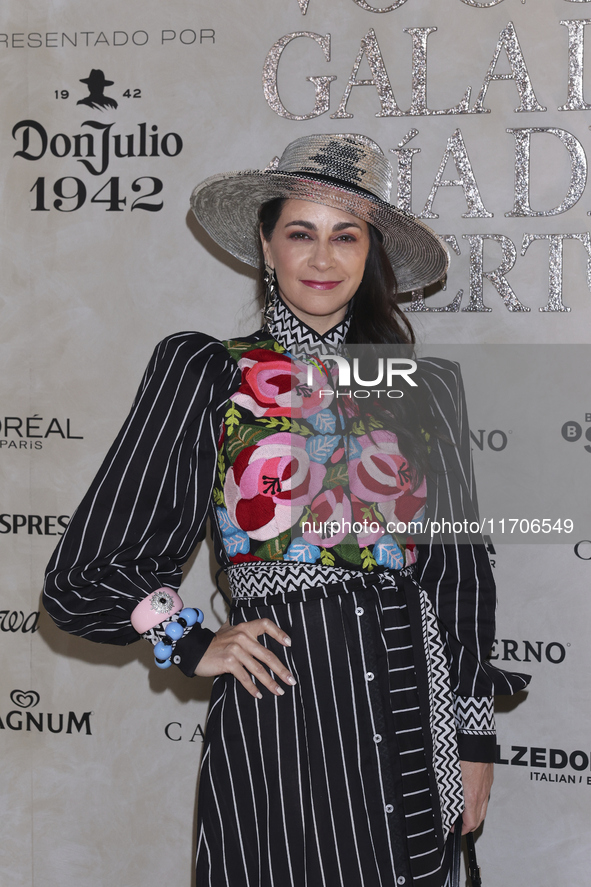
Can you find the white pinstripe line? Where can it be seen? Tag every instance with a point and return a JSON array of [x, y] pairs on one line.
[[426, 875], [426, 853], [355, 602], [220, 826], [370, 709], [277, 702], [343, 758], [305, 629], [229, 766], [251, 782]]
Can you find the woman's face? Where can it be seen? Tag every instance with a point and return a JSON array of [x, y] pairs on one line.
[[318, 254]]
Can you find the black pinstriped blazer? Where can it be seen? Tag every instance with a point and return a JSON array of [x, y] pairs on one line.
[[146, 508]]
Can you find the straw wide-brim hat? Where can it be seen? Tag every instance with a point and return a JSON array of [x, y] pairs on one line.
[[347, 172]]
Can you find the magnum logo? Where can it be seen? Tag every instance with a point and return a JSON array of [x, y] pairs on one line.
[[22, 718]]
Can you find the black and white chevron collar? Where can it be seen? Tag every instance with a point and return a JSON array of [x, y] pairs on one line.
[[298, 338]]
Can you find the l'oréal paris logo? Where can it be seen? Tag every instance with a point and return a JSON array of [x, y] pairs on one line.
[[388, 370]]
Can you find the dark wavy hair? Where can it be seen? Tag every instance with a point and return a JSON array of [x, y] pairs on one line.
[[376, 320]]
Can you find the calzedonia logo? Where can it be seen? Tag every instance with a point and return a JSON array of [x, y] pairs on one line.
[[30, 432], [25, 716], [571, 766]]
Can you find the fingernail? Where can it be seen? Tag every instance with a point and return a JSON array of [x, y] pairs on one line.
[[287, 641], [291, 680], [280, 691], [259, 695]]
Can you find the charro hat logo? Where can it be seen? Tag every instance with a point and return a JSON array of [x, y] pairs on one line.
[[25, 698], [96, 83]]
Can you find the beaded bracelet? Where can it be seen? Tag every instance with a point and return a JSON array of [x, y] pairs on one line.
[[173, 632]]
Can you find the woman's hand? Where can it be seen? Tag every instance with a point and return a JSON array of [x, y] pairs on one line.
[[477, 780], [236, 650]]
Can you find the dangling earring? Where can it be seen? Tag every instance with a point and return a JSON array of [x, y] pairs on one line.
[[270, 297]]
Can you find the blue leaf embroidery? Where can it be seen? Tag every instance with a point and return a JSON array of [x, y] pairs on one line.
[[302, 551], [239, 543], [324, 421], [387, 554], [227, 528], [354, 448], [321, 447]]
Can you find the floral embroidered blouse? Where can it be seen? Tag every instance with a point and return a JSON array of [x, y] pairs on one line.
[[297, 481]]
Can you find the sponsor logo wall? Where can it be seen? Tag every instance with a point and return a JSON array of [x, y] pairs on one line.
[[108, 122]]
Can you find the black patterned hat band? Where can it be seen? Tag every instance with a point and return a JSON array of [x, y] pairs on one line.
[[344, 171]]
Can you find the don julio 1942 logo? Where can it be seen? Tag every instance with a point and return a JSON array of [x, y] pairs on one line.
[[93, 149]]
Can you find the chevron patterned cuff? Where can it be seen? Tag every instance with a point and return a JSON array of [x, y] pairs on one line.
[[475, 715]]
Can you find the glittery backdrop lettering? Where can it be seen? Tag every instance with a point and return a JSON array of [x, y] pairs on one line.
[[556, 242], [456, 150], [321, 84], [576, 34], [497, 276], [348, 92], [578, 171], [508, 44]]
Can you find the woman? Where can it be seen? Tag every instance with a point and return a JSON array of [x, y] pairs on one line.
[[333, 741]]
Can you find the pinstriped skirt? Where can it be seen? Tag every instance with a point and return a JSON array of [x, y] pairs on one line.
[[349, 779]]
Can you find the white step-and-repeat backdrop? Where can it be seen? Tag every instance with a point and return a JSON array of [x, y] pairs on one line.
[[111, 113]]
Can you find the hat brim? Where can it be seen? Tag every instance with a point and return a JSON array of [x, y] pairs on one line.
[[101, 83], [227, 206]]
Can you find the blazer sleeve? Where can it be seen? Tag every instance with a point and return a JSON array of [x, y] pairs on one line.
[[145, 509], [454, 569]]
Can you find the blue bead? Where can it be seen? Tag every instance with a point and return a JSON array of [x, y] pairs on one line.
[[174, 631], [199, 615], [189, 615], [166, 664], [162, 651]]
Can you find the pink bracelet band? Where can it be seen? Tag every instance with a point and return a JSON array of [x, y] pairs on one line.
[[155, 608]]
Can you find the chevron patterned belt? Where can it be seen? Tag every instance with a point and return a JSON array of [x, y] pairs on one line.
[[283, 582]]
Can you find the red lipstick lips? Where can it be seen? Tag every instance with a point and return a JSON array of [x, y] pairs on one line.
[[321, 284]]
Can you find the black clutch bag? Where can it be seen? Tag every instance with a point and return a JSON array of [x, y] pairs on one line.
[[473, 870]]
